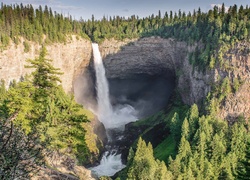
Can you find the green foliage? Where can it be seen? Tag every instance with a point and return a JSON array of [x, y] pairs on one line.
[[32, 24], [2, 90], [45, 76], [105, 178], [225, 88], [20, 153], [207, 149], [26, 46], [144, 165], [19, 142], [212, 153], [5, 40], [40, 105], [243, 168], [236, 84], [61, 113], [19, 99], [175, 126], [165, 149]]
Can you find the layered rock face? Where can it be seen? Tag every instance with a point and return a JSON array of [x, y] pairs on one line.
[[168, 57], [71, 58], [157, 56], [237, 66], [152, 56]]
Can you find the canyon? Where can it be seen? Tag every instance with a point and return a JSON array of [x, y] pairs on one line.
[[151, 56], [131, 62]]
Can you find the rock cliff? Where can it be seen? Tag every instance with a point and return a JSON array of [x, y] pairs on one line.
[[71, 57], [123, 59], [168, 57], [157, 56], [237, 67]]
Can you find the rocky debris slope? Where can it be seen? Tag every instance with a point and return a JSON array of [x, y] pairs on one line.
[[62, 167]]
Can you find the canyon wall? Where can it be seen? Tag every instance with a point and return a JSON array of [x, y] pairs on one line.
[[123, 59], [236, 67], [71, 57], [157, 56], [168, 57]]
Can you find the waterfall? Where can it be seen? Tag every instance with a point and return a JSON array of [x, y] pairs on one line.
[[113, 119], [104, 109]]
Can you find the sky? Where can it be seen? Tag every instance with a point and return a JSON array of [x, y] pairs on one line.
[[125, 8]]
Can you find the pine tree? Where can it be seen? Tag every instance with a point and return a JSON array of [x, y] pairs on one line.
[[243, 171], [175, 126], [185, 132], [193, 119], [45, 76], [144, 165]]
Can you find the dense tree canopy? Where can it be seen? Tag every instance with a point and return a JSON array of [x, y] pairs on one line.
[[211, 149], [38, 110], [37, 114]]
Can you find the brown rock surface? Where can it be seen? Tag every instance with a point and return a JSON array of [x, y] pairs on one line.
[[152, 55], [70, 57]]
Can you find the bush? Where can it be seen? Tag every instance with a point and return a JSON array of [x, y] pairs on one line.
[[26, 46]]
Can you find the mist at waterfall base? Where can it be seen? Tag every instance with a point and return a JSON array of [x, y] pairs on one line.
[[117, 102], [112, 118], [147, 94]]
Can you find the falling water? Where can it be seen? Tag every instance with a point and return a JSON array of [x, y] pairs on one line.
[[122, 114], [112, 118], [104, 111]]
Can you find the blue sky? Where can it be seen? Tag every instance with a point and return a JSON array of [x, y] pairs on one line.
[[142, 8]]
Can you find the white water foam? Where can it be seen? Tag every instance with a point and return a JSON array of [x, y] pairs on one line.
[[122, 114], [109, 165], [111, 118]]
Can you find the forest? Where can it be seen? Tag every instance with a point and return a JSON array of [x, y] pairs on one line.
[[35, 113]]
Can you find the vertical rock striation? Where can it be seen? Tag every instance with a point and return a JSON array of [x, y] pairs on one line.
[[71, 57], [157, 56], [168, 57]]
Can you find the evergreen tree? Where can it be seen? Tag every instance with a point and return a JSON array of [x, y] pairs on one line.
[[144, 165], [244, 165], [193, 119], [185, 132], [175, 126], [45, 76], [20, 153]]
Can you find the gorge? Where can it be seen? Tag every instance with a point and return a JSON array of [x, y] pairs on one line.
[[160, 97], [150, 65], [113, 119], [129, 104]]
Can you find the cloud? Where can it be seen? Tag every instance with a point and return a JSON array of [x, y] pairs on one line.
[[219, 6], [125, 10]]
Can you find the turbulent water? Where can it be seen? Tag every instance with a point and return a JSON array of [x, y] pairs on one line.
[[112, 118]]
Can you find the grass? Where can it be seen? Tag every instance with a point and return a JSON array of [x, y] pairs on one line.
[[88, 114], [165, 149], [150, 121]]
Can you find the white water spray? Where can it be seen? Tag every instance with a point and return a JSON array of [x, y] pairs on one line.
[[122, 114], [111, 118], [104, 111]]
